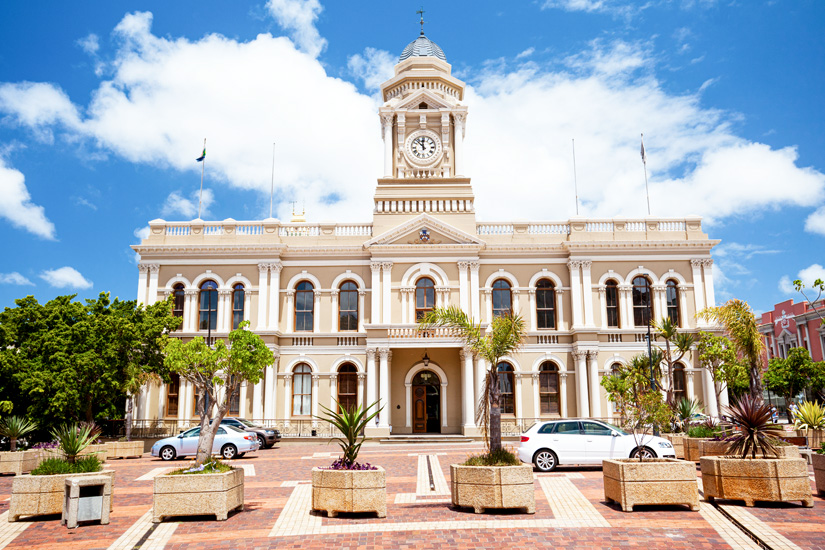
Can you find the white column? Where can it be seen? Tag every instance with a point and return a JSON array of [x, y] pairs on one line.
[[372, 378], [460, 119], [480, 379], [475, 297], [161, 401], [263, 275], [375, 293], [516, 304], [408, 399], [691, 389], [518, 408], [405, 303], [361, 310], [386, 287], [315, 396], [575, 293], [563, 393], [190, 312], [316, 310], [698, 288], [288, 395], [143, 271], [257, 398], [271, 391], [463, 297], [275, 296], [224, 309], [683, 318], [587, 289], [443, 405], [143, 397], [583, 409], [333, 391], [595, 397], [468, 391], [153, 284], [242, 401], [290, 310], [710, 394], [532, 313], [560, 307], [603, 305], [334, 309], [360, 396], [536, 404], [386, 127], [626, 305], [247, 303], [707, 271], [658, 312], [183, 401], [384, 387], [488, 300], [723, 400]]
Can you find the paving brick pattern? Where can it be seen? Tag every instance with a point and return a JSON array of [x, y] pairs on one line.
[[570, 512]]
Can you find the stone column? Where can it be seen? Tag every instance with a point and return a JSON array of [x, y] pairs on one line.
[[683, 318], [560, 308], [575, 293], [372, 378], [406, 292], [463, 297], [587, 289], [257, 397], [242, 401], [563, 393], [314, 397], [516, 304], [275, 295], [288, 395], [582, 405], [361, 378], [626, 306], [143, 274], [595, 397], [333, 391], [691, 390], [386, 287], [334, 299], [375, 293], [247, 303], [190, 313], [658, 312], [271, 391], [533, 314], [361, 310], [316, 310], [488, 299], [698, 288], [290, 310], [603, 305], [153, 284], [224, 310], [536, 403], [263, 275], [475, 297], [707, 271], [161, 401], [386, 132], [480, 379], [710, 394], [183, 401], [459, 120], [384, 387], [518, 408], [443, 404], [468, 390]]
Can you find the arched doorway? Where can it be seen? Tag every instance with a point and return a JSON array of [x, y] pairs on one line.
[[426, 402]]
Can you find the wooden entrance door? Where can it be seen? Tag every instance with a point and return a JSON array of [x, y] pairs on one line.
[[419, 409]]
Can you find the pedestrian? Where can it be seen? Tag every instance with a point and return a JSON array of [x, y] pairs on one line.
[[774, 415]]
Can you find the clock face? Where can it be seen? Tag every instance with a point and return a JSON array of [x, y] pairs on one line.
[[423, 147]]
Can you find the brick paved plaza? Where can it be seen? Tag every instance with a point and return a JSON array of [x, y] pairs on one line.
[[570, 512]]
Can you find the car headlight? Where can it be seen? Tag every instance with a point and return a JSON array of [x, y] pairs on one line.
[[270, 432], [665, 445]]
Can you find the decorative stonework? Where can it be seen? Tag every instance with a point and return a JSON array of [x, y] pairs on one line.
[[124, 449], [756, 480], [335, 491], [18, 462], [629, 482], [197, 495], [491, 487]]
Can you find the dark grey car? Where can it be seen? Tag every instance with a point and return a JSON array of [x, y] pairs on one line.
[[267, 437]]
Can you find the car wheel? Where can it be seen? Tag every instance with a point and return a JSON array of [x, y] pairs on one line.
[[261, 442], [229, 451], [545, 460], [643, 452], [167, 453]]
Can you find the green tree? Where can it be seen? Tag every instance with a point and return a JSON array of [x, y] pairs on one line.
[[794, 374], [504, 336], [677, 344], [740, 324], [717, 356], [216, 372], [819, 285]]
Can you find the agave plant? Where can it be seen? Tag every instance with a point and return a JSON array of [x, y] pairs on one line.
[[351, 422], [15, 427], [751, 419], [685, 409], [810, 416], [72, 439]]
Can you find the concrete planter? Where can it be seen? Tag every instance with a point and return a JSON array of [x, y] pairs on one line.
[[720, 448], [124, 449], [197, 495], [678, 442], [692, 448], [758, 479], [18, 462], [819, 473], [42, 495], [485, 487], [336, 491], [629, 482]]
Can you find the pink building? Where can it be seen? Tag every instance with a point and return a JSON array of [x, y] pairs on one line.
[[792, 325]]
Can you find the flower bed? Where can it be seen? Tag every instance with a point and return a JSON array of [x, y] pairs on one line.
[[17, 462], [485, 487], [629, 482], [335, 491], [757, 479], [198, 494]]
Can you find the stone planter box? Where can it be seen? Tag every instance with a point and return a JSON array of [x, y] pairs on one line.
[[336, 491], [629, 482], [42, 495], [485, 487], [720, 448], [819, 473], [692, 448], [197, 495], [124, 449], [18, 462], [678, 442], [100, 450], [759, 479]]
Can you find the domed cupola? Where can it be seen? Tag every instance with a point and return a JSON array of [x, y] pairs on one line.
[[422, 47]]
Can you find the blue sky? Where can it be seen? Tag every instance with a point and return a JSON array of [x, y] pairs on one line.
[[104, 108]]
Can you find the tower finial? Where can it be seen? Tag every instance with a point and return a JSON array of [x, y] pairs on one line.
[[421, 13]]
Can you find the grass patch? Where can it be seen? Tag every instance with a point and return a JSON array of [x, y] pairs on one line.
[[212, 466], [502, 457], [52, 466]]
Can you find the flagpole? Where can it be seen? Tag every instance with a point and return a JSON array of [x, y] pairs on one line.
[[272, 188], [203, 169], [575, 179], [644, 162]]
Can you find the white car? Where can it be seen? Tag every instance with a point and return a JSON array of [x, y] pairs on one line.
[[230, 442], [572, 441]]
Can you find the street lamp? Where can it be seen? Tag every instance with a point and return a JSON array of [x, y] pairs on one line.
[[649, 339]]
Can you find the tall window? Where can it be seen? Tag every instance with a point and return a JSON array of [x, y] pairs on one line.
[[679, 386], [642, 302], [506, 382], [673, 302], [172, 394], [546, 304], [348, 386], [424, 297], [348, 306], [304, 304], [208, 306], [237, 305], [180, 299], [615, 369], [549, 388], [302, 390], [234, 408], [502, 299], [611, 297]]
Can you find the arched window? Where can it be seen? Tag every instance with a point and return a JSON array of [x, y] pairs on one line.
[[172, 395], [304, 304], [234, 405], [642, 302], [302, 390], [506, 382], [424, 297], [348, 306], [179, 293], [611, 298], [615, 369], [502, 298], [549, 388], [679, 386], [545, 304], [208, 306], [673, 302], [348, 386], [237, 305]]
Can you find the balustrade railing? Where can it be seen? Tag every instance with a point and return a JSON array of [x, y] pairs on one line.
[[412, 331]]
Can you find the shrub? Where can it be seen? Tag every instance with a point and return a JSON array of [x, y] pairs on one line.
[[73, 439], [501, 457], [685, 409], [15, 427], [351, 423], [52, 466], [809, 416], [701, 431], [211, 466], [821, 450], [751, 418], [342, 464]]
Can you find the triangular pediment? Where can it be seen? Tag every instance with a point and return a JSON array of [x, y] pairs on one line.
[[425, 230], [433, 100]]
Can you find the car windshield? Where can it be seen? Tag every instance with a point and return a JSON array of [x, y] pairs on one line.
[[248, 423], [194, 432], [618, 429], [232, 428]]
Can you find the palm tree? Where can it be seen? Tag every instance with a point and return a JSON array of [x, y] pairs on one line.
[[680, 342], [504, 336], [742, 329], [15, 427]]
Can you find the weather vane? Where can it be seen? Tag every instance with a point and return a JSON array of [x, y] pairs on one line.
[[421, 13]]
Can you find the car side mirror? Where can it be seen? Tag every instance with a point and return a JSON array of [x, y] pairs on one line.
[[614, 434], [180, 436]]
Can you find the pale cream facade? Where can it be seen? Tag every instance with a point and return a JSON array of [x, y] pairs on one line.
[[572, 280]]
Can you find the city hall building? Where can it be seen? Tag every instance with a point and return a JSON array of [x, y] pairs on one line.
[[337, 302]]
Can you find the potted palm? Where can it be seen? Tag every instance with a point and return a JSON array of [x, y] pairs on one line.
[[752, 471], [347, 485], [17, 461], [810, 418], [685, 411], [497, 478], [42, 491]]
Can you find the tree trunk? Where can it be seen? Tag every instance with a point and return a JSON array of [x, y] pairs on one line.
[[129, 406], [756, 380], [495, 416], [13, 444], [89, 415]]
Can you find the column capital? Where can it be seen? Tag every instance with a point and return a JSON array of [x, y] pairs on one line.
[[375, 266], [386, 120], [697, 262], [592, 354], [383, 353], [371, 353], [463, 266], [474, 265], [224, 291], [531, 291], [291, 293], [573, 264], [386, 266], [288, 376], [191, 291], [562, 374], [487, 291], [263, 268], [315, 378], [333, 376], [166, 293], [143, 268], [276, 267], [361, 375], [602, 290], [586, 264], [334, 292], [362, 292], [707, 262], [579, 354]]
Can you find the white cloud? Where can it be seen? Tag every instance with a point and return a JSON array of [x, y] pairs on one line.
[[142, 233], [14, 278], [65, 277], [16, 205], [39, 106], [526, 53], [815, 223], [807, 276], [374, 67], [298, 18], [188, 208], [576, 5], [89, 44]]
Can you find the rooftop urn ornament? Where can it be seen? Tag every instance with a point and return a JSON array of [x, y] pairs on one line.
[[421, 13]]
